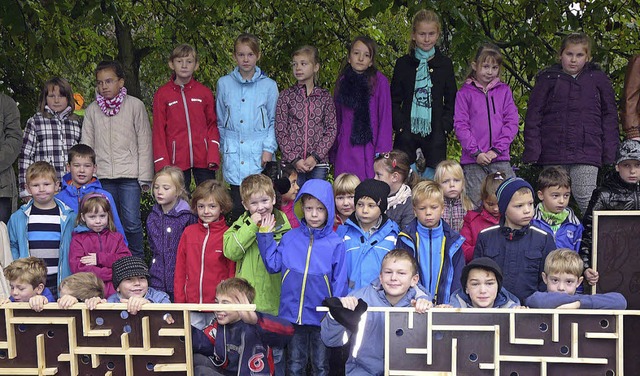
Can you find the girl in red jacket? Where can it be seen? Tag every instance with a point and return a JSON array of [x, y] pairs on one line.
[[95, 243]]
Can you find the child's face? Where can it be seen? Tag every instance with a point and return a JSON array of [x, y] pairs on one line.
[[293, 191], [396, 277], [208, 210], [490, 204], [315, 213], [428, 212], [165, 192], [226, 317], [451, 186], [367, 212], [555, 199], [360, 57], [486, 71], [56, 101], [345, 205], [42, 189], [562, 282], [22, 291], [482, 288], [82, 170], [260, 203], [304, 69], [184, 67], [573, 58], [246, 59], [519, 211], [134, 286], [629, 171], [382, 174], [426, 35], [97, 220], [108, 83]]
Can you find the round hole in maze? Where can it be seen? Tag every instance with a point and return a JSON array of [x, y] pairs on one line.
[[22, 328], [610, 372], [126, 328], [513, 374], [604, 323], [473, 357], [111, 366], [3, 354], [150, 366], [124, 315], [544, 327], [564, 350], [85, 359], [438, 335], [50, 333], [181, 339], [399, 332], [99, 321]]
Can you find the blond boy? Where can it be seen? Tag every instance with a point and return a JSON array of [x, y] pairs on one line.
[[26, 278]]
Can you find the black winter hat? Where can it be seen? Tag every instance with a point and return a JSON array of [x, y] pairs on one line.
[[506, 190], [127, 267], [376, 190], [484, 263], [344, 316]]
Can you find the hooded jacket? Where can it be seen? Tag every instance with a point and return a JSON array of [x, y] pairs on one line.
[[474, 222], [504, 299], [310, 260], [568, 235], [164, 232], [108, 246], [246, 112], [571, 120]]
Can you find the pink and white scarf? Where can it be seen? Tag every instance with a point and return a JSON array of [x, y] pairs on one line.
[[111, 107]]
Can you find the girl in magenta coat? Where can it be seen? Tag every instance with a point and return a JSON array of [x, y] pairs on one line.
[[95, 243]]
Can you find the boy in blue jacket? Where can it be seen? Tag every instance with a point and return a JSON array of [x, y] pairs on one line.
[[311, 259], [436, 246], [26, 277]]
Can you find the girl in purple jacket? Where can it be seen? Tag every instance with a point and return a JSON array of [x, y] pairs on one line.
[[572, 118], [485, 120]]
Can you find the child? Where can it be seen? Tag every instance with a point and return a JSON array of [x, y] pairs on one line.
[[397, 286], [306, 119], [486, 121], [423, 92], [95, 244], [241, 246], [436, 246], [51, 132], [311, 260], [363, 112], [117, 127], [80, 180], [238, 342], [287, 188], [344, 188], [562, 275], [185, 130], [450, 176], [630, 113], [81, 287], [572, 118], [27, 277], [246, 108], [42, 227], [10, 143], [394, 169], [518, 247], [619, 191], [368, 233], [482, 287], [165, 224], [486, 215]]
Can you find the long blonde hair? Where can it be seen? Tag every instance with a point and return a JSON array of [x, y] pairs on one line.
[[453, 168]]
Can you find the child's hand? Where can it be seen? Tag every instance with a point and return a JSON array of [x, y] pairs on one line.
[[268, 223], [349, 302], [520, 307], [37, 302], [491, 155], [168, 318], [266, 157], [592, 276], [145, 187], [301, 166], [245, 316], [67, 301], [256, 218], [310, 162], [134, 304], [93, 302], [421, 305], [5, 301], [574, 305], [483, 159], [444, 306], [89, 259]]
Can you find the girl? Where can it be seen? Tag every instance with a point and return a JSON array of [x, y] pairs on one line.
[[363, 111], [423, 91], [246, 107], [485, 120], [287, 199], [344, 189], [51, 132], [117, 127], [450, 176], [95, 243], [306, 119], [485, 216], [165, 224], [572, 108], [394, 169]]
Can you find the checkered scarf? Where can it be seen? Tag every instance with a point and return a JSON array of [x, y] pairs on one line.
[[111, 107]]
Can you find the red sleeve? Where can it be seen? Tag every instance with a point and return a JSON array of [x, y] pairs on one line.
[[79, 250], [180, 272], [76, 251], [469, 240], [159, 134], [213, 134]]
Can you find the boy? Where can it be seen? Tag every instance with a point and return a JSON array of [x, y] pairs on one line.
[[436, 246], [42, 227], [312, 259], [482, 287], [238, 342], [185, 130], [562, 275], [368, 234], [240, 243], [518, 247], [26, 278], [396, 287], [619, 191], [344, 189], [83, 287], [80, 180]]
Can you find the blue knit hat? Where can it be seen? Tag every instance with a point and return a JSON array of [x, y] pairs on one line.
[[506, 190]]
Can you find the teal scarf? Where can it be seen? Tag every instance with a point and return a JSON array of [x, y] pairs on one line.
[[421, 104]]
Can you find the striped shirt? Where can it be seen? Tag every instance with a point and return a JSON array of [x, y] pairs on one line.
[[44, 235]]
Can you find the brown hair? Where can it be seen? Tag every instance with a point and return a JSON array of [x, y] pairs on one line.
[[250, 40], [486, 53], [183, 50], [345, 183], [370, 73], [177, 179], [554, 176], [212, 188], [81, 150], [90, 203], [312, 53], [256, 183], [398, 161], [31, 270], [490, 184], [423, 15], [239, 285], [41, 169], [427, 189], [452, 167], [65, 90], [83, 286], [563, 260], [576, 38], [114, 65], [401, 254]]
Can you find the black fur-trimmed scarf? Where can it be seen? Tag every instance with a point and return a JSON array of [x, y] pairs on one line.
[[354, 93]]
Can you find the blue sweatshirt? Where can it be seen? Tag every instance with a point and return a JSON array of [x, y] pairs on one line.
[[609, 300]]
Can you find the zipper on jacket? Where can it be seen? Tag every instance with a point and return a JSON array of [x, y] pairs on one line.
[[486, 97], [186, 113], [304, 280], [202, 251], [431, 259], [262, 116], [306, 125], [173, 152]]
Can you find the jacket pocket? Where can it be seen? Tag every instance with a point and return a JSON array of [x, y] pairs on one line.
[[286, 273], [326, 281]]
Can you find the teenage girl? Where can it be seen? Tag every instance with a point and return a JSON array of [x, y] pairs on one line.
[[423, 91], [363, 112], [95, 243], [246, 108], [51, 132], [450, 176], [485, 120], [165, 224], [394, 169], [572, 118], [306, 119]]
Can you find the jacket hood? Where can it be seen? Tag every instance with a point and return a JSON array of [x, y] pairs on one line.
[[557, 68], [323, 191], [258, 75], [179, 209]]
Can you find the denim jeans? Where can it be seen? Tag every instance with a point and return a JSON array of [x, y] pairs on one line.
[[306, 343], [126, 194], [199, 175], [319, 172]]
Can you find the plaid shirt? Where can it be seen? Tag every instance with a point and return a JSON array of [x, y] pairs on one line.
[[454, 213], [47, 138]]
